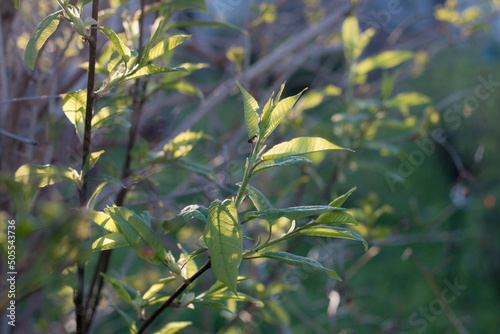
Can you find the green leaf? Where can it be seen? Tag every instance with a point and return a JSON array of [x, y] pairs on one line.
[[158, 286], [383, 60], [16, 4], [387, 85], [73, 105], [41, 34], [277, 114], [251, 117], [91, 161], [334, 232], [215, 304], [183, 87], [150, 70], [198, 168], [174, 327], [299, 262], [210, 24], [259, 201], [164, 46], [241, 297], [336, 217], [218, 287], [119, 287], [130, 322], [145, 242], [341, 199], [267, 164], [300, 145], [110, 241], [41, 176], [224, 240], [292, 213], [103, 220], [350, 36], [403, 101], [117, 42], [189, 213], [190, 4]]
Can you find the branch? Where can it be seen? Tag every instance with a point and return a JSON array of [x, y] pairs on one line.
[[94, 294], [81, 326], [19, 138], [177, 292]]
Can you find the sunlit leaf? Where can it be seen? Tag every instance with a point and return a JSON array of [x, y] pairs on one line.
[[277, 115], [251, 117], [41, 176], [91, 161], [383, 60], [110, 241], [41, 34], [224, 239], [150, 70], [350, 36], [103, 220], [299, 262], [403, 101], [298, 146], [117, 42], [164, 46], [157, 287], [241, 297], [174, 327], [73, 105]]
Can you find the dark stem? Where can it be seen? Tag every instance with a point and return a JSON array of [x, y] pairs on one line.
[[94, 294], [169, 302]]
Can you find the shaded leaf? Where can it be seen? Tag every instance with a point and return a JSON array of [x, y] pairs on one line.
[[145, 242], [224, 239], [119, 287], [41, 34], [334, 232], [259, 201], [130, 322], [267, 164], [300, 145], [292, 213], [299, 262], [189, 213], [212, 303]]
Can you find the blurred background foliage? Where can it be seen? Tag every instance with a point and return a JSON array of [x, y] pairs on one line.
[[425, 166]]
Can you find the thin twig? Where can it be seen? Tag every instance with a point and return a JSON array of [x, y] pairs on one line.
[[94, 294], [31, 98], [177, 292], [19, 138], [81, 325]]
